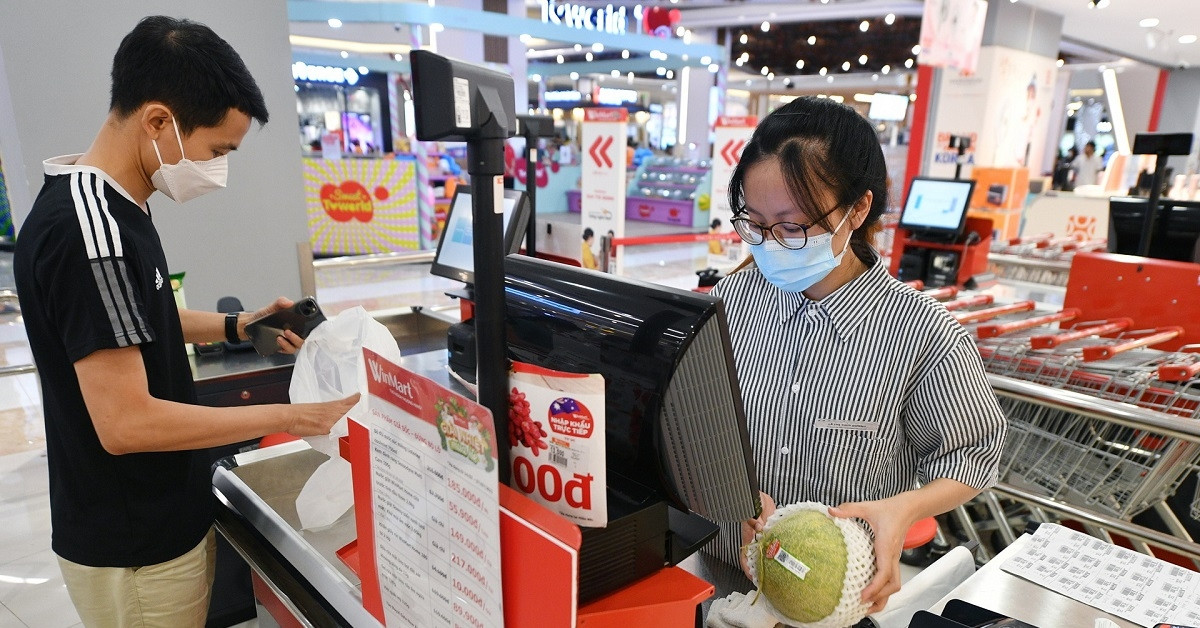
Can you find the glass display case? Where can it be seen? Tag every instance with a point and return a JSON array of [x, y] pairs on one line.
[[670, 178]]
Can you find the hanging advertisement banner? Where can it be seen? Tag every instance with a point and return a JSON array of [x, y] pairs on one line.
[[603, 181], [951, 33], [732, 133]]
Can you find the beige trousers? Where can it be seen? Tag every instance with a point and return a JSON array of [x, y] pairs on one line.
[[173, 594]]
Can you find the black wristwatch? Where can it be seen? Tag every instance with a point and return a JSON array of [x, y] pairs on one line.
[[231, 332]]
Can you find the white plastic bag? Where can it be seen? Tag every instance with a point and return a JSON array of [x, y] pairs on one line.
[[328, 367]]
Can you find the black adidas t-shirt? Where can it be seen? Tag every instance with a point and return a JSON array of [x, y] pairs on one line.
[[91, 274]]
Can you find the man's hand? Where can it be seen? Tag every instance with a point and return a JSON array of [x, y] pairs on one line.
[[750, 527], [890, 521], [316, 419], [288, 341]]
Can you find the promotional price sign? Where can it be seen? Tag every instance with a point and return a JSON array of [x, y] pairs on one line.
[[436, 502], [603, 181], [732, 133]]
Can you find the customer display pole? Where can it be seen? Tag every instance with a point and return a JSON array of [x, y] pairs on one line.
[[454, 100], [532, 128], [1161, 145]]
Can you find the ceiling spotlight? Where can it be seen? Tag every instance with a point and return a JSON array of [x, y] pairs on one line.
[[864, 26], [740, 62], [862, 59], [679, 31], [525, 38], [770, 76], [661, 71], [764, 71], [885, 69], [560, 59], [574, 76], [812, 40], [588, 56], [1187, 39], [615, 73], [800, 64], [536, 78], [787, 82], [670, 74], [334, 23], [597, 47], [1149, 22], [744, 38], [765, 26], [823, 71], [578, 47], [916, 49], [889, 19], [362, 69], [624, 54], [398, 57], [705, 60], [908, 63], [714, 68], [1060, 63], [345, 54], [845, 66]]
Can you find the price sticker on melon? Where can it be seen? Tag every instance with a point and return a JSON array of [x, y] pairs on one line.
[[776, 553]]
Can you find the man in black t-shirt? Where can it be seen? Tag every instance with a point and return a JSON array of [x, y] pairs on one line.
[[130, 492]]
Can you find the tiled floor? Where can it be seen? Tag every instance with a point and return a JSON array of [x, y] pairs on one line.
[[32, 594]]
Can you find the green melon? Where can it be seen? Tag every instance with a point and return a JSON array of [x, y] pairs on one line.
[[812, 538]]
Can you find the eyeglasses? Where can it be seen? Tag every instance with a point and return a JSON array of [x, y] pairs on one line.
[[790, 235]]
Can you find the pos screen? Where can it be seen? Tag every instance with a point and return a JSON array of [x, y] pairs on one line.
[[937, 206], [455, 257]]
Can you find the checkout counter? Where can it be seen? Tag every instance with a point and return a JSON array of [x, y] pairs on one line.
[[304, 582]]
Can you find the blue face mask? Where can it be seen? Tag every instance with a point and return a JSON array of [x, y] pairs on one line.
[[796, 270]]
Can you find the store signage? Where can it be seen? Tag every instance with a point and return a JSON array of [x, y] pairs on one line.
[[346, 202], [602, 184], [302, 71], [564, 96], [730, 136], [606, 20], [616, 97]]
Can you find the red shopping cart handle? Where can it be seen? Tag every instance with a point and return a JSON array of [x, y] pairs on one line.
[[1178, 372], [1094, 328], [958, 304], [916, 284], [999, 329], [1130, 341], [975, 316], [1029, 239], [947, 292]]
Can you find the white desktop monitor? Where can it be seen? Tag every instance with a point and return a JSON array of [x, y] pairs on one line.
[[937, 207], [455, 257]]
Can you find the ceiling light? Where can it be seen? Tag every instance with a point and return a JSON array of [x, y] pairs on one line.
[[398, 57], [787, 82], [916, 49], [574, 76], [560, 59], [578, 47], [1149, 22], [525, 38], [770, 76], [744, 38], [845, 66], [597, 47], [362, 69], [829, 79], [740, 62], [705, 60], [823, 71], [800, 64], [862, 59], [616, 73], [714, 68], [624, 54], [812, 40], [912, 98], [661, 71], [670, 74], [885, 69], [1060, 63], [889, 19], [1187, 39], [864, 26], [588, 56], [345, 54], [765, 26], [536, 78], [764, 71], [908, 63], [334, 23]]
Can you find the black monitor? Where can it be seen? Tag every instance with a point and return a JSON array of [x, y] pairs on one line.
[[1176, 228], [937, 208], [673, 409], [455, 257]]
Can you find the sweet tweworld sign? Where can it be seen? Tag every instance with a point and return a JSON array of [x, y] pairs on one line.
[[361, 205]]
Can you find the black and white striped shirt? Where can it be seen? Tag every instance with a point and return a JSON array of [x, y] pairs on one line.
[[858, 396]]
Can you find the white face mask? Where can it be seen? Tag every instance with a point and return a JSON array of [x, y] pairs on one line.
[[186, 180]]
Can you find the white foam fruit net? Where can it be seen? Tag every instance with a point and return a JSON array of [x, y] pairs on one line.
[[860, 568]]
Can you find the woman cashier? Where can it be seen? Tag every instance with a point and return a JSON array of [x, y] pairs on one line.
[[860, 392]]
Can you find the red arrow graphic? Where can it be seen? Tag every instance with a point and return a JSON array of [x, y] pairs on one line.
[[599, 151], [732, 150]]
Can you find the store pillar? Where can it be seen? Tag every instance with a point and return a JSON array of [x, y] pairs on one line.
[[695, 87], [1012, 86]]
